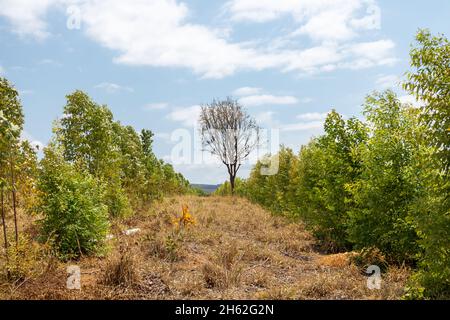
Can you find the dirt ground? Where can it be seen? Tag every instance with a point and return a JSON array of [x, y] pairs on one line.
[[234, 250]]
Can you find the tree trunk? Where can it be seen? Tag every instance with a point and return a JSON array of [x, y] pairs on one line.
[[14, 200], [5, 236], [232, 178]]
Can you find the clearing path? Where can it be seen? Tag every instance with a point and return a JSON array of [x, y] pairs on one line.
[[234, 250]]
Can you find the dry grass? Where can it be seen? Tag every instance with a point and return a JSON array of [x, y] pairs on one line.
[[235, 250], [121, 271]]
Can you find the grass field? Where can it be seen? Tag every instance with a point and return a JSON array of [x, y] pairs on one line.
[[234, 250]]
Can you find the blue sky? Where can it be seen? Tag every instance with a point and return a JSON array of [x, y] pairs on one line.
[[154, 62]]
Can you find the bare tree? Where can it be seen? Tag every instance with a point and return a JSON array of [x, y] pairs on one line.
[[229, 133]]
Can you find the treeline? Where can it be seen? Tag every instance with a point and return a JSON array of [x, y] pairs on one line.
[[94, 170], [381, 183]]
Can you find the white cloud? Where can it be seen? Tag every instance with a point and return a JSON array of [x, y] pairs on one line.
[[159, 33], [308, 121], [373, 53], [186, 116], [267, 99], [409, 99], [38, 145], [312, 116], [319, 19], [302, 126], [156, 106], [112, 87], [306, 100], [265, 118], [252, 96], [387, 81], [27, 16], [246, 91], [2, 71]]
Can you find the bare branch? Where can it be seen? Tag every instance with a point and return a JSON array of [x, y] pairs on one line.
[[229, 133]]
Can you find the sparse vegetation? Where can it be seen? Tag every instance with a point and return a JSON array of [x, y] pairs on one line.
[[241, 255]]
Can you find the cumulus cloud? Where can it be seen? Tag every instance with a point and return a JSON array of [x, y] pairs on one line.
[[27, 16], [409, 99], [265, 118], [302, 126], [188, 116], [312, 116], [112, 87], [307, 121], [252, 96], [160, 33], [320, 20], [267, 99], [387, 81], [246, 91]]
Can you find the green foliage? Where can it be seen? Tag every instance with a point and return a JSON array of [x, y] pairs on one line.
[[11, 116], [11, 125], [27, 173], [271, 191], [225, 189], [320, 185], [116, 155], [75, 220], [373, 186], [429, 82], [117, 201], [387, 187], [87, 136]]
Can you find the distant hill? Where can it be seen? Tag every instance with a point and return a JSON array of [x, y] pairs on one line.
[[208, 188]]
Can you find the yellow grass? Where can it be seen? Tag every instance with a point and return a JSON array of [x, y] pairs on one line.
[[235, 250]]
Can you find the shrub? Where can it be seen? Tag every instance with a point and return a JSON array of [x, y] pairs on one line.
[[388, 185], [75, 219], [23, 259], [117, 202], [324, 169]]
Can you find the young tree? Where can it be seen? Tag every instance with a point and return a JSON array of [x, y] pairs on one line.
[[326, 166], [11, 125], [430, 82], [388, 185], [229, 133], [71, 201]]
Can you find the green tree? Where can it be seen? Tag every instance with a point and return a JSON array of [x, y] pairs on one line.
[[388, 185], [90, 138], [320, 185], [75, 220], [11, 125], [429, 82], [87, 136]]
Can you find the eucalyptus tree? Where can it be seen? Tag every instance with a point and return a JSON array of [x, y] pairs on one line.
[[11, 125], [429, 82]]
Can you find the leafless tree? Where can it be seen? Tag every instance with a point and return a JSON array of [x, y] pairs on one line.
[[229, 133]]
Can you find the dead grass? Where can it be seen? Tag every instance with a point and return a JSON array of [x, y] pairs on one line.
[[235, 250], [121, 271]]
